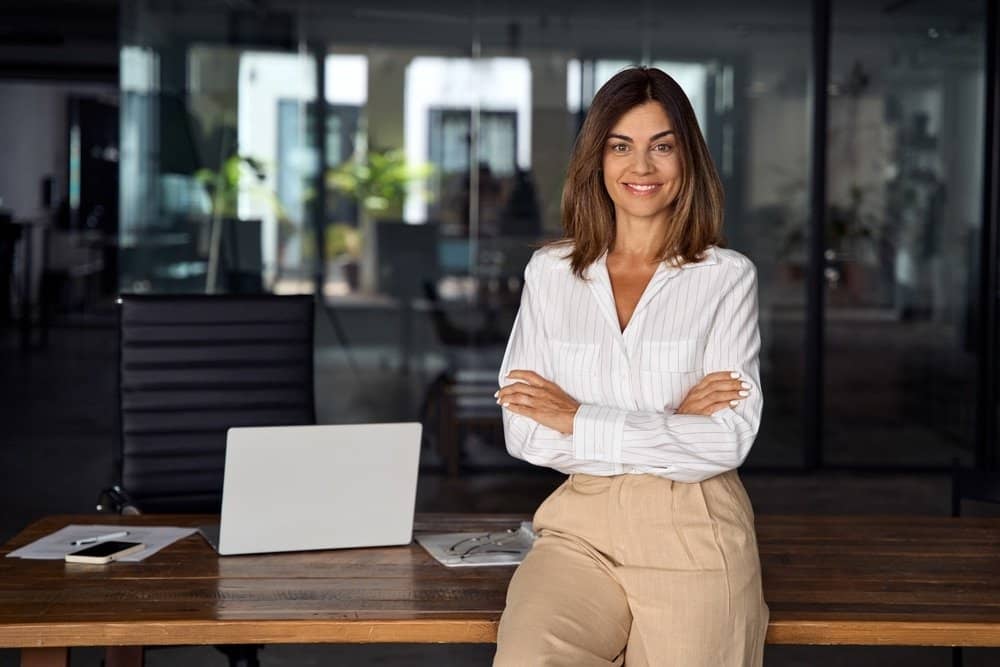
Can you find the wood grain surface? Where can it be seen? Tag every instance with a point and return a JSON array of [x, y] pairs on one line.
[[828, 580]]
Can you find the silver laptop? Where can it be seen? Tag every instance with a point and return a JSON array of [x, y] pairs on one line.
[[296, 488]]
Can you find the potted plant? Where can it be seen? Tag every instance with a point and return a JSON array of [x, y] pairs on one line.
[[378, 181], [343, 251], [238, 174]]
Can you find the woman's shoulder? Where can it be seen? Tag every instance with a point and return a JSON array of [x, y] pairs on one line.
[[553, 256], [731, 258], [731, 262]]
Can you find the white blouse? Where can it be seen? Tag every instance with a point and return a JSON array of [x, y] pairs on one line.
[[690, 321]]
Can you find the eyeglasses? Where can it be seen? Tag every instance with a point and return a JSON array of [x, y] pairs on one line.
[[487, 543]]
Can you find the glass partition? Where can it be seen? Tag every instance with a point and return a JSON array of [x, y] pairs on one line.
[[904, 212], [403, 165], [750, 86], [214, 150]]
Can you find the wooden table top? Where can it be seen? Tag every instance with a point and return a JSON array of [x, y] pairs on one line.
[[828, 580]]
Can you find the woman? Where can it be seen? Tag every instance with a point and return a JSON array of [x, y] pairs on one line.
[[633, 367]]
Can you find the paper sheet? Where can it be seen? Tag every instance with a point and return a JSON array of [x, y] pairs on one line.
[[471, 549], [55, 546]]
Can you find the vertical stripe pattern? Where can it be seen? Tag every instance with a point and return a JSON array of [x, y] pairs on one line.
[[690, 321]]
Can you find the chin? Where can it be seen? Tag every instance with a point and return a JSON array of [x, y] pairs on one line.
[[649, 211]]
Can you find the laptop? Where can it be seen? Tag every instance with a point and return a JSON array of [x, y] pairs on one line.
[[298, 488]]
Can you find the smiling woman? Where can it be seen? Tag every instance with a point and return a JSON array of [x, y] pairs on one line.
[[633, 367], [642, 174], [650, 117]]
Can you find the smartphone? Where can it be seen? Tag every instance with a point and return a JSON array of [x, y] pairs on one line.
[[104, 552]]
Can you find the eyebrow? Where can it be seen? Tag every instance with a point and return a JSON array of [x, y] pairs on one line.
[[652, 138]]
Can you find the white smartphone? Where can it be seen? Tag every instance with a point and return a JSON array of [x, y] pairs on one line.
[[104, 552]]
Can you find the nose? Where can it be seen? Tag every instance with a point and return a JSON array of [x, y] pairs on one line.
[[642, 164]]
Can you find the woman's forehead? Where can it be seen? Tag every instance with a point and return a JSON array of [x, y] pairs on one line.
[[643, 121]]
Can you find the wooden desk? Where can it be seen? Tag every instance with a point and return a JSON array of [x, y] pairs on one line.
[[829, 580]]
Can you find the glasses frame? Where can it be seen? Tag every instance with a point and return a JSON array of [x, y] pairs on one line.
[[484, 541]]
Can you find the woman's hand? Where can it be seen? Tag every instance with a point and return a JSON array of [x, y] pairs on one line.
[[715, 392], [533, 396]]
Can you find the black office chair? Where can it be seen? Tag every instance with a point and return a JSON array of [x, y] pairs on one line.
[[190, 368], [459, 401], [976, 485]]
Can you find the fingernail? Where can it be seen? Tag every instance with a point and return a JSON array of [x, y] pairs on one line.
[[734, 403], [496, 394], [505, 404], [498, 401], [734, 375], [745, 385], [744, 394]]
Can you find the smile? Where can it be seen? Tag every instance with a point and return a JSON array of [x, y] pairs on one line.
[[641, 189]]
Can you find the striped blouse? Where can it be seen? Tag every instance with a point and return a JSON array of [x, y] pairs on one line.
[[690, 321]]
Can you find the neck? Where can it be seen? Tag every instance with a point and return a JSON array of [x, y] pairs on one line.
[[638, 238]]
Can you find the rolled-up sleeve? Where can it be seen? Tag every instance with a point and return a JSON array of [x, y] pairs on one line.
[[689, 448]]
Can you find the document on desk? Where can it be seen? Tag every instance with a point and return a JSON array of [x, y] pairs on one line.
[[74, 537], [506, 547]]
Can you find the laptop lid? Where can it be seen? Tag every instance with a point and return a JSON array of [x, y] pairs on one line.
[[295, 488]]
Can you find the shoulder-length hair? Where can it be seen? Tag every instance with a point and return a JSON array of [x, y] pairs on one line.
[[588, 214]]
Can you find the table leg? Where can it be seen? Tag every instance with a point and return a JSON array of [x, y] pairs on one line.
[[450, 433], [26, 290], [123, 656], [45, 657]]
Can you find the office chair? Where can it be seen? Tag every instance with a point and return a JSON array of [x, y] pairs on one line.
[[969, 484], [190, 367], [459, 401]]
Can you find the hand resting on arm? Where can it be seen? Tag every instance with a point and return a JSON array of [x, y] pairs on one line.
[[534, 397]]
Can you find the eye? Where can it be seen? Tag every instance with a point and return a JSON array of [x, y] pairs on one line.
[[619, 148], [663, 148]]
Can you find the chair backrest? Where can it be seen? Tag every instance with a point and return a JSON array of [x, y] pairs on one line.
[[193, 366]]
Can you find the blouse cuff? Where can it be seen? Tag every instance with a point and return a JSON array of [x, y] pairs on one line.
[[598, 433]]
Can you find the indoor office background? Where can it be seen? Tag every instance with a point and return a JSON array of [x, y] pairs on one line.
[[400, 161]]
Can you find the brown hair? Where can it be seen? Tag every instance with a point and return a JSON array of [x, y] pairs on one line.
[[588, 214]]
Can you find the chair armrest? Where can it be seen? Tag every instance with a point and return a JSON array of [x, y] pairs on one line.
[[117, 500]]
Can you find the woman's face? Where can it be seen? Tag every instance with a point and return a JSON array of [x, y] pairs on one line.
[[642, 169]]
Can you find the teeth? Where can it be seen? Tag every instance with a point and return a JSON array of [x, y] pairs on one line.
[[643, 188]]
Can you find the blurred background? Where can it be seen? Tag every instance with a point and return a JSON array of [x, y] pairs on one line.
[[401, 160]]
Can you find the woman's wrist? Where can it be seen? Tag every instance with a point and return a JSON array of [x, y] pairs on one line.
[[569, 419]]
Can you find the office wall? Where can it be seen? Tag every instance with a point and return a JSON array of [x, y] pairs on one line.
[[33, 145], [33, 140], [32, 134]]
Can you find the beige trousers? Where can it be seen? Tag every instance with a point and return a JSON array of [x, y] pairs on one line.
[[638, 570]]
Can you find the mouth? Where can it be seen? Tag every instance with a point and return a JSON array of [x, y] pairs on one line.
[[642, 189]]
